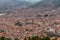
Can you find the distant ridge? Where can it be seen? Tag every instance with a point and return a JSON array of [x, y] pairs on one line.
[[47, 3], [13, 4]]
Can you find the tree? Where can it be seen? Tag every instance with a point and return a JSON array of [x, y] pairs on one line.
[[47, 38], [25, 38], [9, 39], [18, 24], [2, 38], [45, 15], [37, 38], [16, 39], [2, 31]]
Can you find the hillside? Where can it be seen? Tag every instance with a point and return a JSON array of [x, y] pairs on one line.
[[47, 3], [41, 19], [6, 5]]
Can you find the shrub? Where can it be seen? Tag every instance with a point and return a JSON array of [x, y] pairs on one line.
[[2, 38], [47, 38], [2, 31], [25, 38], [18, 24], [37, 38], [9, 39], [45, 15], [16, 39]]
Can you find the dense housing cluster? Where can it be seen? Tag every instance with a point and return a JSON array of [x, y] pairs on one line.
[[31, 24]]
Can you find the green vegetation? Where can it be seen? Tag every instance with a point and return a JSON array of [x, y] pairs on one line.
[[16, 39], [47, 3], [29, 38], [40, 4], [4, 38], [8, 39], [2, 31], [37, 38], [18, 24], [45, 15]]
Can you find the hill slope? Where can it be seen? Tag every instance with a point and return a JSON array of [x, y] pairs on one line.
[[13, 4], [47, 3]]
